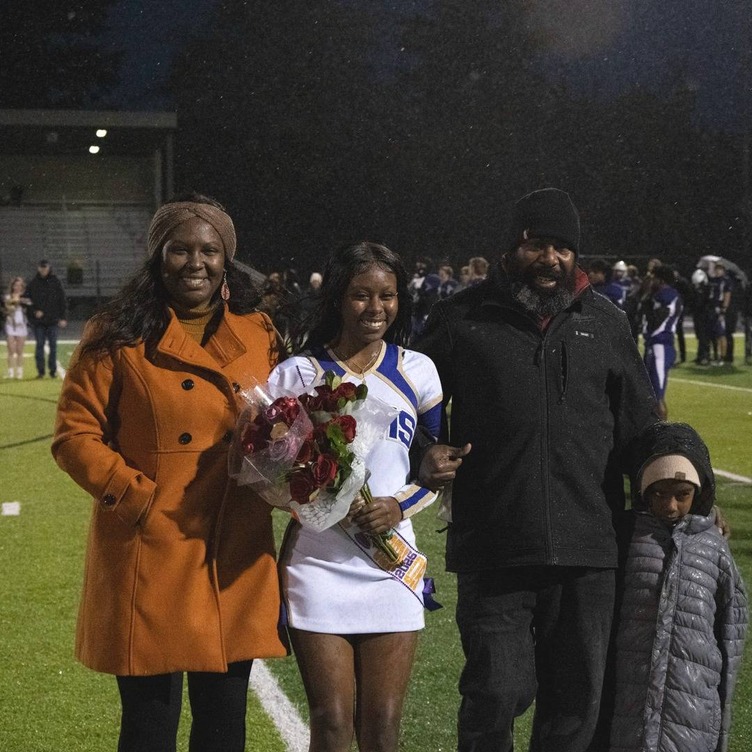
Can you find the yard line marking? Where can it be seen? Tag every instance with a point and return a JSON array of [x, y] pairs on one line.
[[732, 476], [284, 714], [710, 383], [17, 444]]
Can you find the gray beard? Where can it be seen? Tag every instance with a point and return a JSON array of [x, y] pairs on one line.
[[541, 304]]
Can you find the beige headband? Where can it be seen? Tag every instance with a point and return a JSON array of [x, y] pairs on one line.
[[668, 467], [169, 216]]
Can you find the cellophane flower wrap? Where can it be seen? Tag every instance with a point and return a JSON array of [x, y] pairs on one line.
[[268, 438], [307, 453]]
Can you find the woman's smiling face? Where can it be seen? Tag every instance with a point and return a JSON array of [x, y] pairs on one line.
[[193, 262], [369, 306]]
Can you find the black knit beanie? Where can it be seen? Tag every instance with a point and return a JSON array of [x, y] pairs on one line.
[[546, 213]]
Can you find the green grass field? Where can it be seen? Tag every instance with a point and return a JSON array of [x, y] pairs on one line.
[[49, 703]]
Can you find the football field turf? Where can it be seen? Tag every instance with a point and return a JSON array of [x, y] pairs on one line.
[[49, 703]]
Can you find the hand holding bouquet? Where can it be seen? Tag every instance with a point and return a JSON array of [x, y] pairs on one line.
[[307, 453]]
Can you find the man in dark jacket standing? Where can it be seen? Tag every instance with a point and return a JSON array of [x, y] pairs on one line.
[[47, 312], [548, 392]]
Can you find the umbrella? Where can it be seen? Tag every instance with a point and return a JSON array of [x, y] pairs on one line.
[[707, 264]]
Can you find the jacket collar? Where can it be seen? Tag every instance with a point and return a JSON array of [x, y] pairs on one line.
[[497, 291], [695, 523], [690, 524], [223, 347]]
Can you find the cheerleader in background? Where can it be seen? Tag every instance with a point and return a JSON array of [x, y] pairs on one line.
[[16, 327]]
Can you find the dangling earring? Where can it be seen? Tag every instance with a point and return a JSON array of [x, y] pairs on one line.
[[225, 291]]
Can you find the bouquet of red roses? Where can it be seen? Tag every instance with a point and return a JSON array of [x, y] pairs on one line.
[[307, 453], [269, 436]]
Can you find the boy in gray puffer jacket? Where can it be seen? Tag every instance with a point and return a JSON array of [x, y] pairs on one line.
[[683, 615]]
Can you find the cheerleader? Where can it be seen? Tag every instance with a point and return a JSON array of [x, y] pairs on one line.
[[354, 619], [16, 328]]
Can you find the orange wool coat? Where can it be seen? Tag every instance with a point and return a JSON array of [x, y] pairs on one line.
[[180, 567]]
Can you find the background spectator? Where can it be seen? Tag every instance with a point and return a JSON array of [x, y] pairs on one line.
[[47, 312]]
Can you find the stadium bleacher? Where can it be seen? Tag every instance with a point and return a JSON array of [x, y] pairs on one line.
[[93, 249]]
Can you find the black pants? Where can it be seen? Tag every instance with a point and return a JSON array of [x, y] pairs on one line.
[[533, 633], [151, 710], [45, 333], [702, 332]]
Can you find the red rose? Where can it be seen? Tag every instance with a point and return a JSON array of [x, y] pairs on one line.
[[325, 399], [284, 409], [290, 409], [313, 402], [347, 423], [301, 486], [324, 470], [253, 438], [346, 390], [306, 451]]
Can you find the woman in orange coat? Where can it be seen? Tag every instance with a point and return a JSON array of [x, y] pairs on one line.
[[180, 568]]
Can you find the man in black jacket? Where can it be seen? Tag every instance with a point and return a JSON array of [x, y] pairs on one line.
[[47, 312], [548, 392]]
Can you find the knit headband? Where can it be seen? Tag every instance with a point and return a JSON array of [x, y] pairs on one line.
[[169, 216]]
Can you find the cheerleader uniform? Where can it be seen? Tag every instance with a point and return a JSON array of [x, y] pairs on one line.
[[15, 321], [330, 585]]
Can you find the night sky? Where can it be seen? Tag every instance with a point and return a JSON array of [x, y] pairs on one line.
[[148, 34], [603, 48], [596, 48]]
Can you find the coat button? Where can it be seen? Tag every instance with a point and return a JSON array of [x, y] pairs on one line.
[[187, 384], [109, 500], [235, 387], [227, 438], [185, 438]]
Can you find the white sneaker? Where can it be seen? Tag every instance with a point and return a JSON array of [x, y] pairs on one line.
[[19, 373], [11, 373]]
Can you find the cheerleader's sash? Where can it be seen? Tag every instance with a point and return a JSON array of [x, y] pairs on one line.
[[410, 572]]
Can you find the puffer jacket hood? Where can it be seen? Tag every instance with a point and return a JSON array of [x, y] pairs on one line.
[[664, 438]]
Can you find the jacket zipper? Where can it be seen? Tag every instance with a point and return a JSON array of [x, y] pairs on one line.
[[564, 373], [654, 702], [541, 360]]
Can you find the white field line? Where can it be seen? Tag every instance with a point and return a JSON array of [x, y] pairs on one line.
[[723, 473], [673, 378], [732, 476], [283, 713]]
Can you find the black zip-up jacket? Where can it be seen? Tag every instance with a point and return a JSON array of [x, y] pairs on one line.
[[552, 416], [47, 296]]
